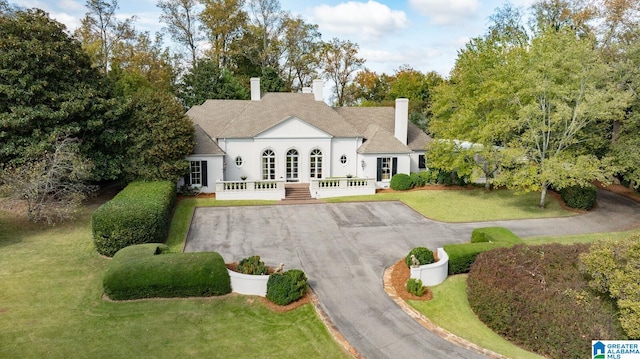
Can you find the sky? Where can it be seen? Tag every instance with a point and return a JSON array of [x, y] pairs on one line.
[[423, 34]]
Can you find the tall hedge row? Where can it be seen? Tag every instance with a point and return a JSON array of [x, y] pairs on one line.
[[149, 271], [140, 213]]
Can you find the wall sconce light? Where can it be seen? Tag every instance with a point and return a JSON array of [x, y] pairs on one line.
[[363, 164]]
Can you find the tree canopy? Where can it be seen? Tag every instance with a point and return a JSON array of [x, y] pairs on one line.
[[48, 90]]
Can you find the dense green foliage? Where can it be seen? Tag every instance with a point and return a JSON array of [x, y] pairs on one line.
[[536, 297], [205, 81], [252, 265], [48, 91], [612, 269], [423, 255], [149, 271], [287, 287], [546, 103], [463, 255], [140, 213], [415, 287], [581, 197], [159, 136], [400, 182]]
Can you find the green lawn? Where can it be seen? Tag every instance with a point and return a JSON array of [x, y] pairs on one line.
[[51, 307], [469, 205]]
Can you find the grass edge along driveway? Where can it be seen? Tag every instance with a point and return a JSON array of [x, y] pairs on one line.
[[469, 205]]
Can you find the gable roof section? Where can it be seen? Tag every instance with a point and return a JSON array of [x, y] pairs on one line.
[[378, 125], [204, 144], [380, 140], [246, 119]]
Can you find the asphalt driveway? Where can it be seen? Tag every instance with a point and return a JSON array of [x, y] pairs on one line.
[[344, 249]]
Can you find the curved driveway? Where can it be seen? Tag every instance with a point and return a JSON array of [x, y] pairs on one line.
[[345, 247]]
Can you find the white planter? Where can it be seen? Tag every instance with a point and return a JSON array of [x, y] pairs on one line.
[[248, 284], [434, 273]]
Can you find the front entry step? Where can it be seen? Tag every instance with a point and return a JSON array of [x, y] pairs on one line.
[[297, 192]]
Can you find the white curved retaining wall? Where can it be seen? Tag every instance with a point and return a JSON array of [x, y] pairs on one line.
[[248, 284], [434, 273]]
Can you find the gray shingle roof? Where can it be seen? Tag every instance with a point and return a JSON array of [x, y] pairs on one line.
[[204, 144], [363, 118], [246, 119]]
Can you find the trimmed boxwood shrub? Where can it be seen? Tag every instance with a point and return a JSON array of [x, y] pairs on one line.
[[140, 213], [415, 287], [400, 182], [287, 287], [416, 180], [580, 197], [536, 297], [252, 265], [423, 255], [462, 256], [149, 271]]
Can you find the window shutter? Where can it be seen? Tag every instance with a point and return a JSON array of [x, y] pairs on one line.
[[394, 167], [187, 177], [379, 176], [203, 168]]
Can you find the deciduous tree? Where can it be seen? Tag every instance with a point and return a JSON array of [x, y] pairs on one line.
[[339, 63], [101, 31], [53, 185], [181, 18]]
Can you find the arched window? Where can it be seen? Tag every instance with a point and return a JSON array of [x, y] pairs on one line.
[[315, 164], [268, 165], [292, 165]]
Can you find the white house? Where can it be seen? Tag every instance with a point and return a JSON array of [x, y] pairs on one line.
[[254, 149]]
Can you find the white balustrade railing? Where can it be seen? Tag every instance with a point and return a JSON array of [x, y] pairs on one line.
[[340, 187], [267, 190]]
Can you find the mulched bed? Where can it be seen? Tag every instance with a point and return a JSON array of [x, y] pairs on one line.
[[399, 275]]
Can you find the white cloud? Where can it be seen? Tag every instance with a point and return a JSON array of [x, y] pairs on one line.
[[72, 6], [446, 12], [370, 20]]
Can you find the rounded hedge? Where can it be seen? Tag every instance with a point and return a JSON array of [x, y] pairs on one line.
[[423, 255], [287, 287], [149, 271], [400, 182], [580, 197]]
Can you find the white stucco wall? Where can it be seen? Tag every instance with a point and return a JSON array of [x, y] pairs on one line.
[[415, 164], [349, 148], [214, 171]]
